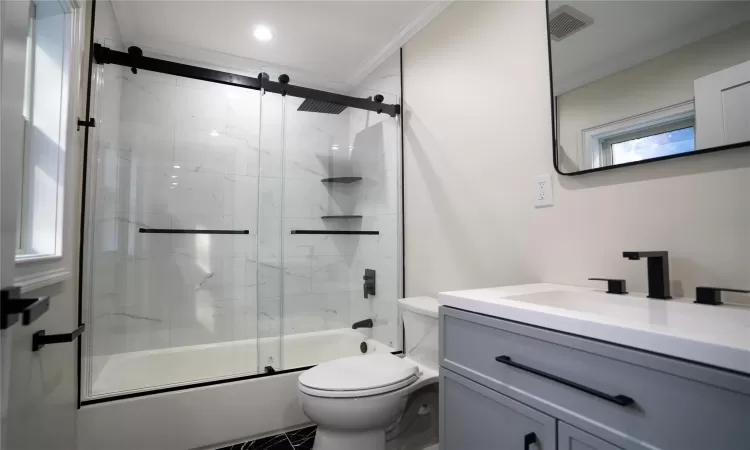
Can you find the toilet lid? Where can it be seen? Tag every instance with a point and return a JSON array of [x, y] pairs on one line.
[[359, 373]]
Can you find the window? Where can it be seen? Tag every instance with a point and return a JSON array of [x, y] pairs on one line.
[[651, 141], [663, 144], [46, 113], [663, 132]]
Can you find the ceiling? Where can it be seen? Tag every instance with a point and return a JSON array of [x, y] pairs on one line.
[[340, 41], [627, 33]]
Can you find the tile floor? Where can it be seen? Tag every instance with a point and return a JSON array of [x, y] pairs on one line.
[[293, 440]]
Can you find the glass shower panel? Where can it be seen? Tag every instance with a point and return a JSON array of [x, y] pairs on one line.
[[340, 179], [375, 154], [173, 220], [270, 245]]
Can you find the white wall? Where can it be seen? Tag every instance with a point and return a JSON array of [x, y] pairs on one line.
[[478, 129], [658, 83]]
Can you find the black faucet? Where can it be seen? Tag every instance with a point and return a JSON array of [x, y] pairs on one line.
[[658, 272], [369, 284], [367, 323]]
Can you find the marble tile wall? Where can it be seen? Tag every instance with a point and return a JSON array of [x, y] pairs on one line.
[[153, 291]]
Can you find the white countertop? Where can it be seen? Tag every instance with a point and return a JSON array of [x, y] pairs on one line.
[[714, 335]]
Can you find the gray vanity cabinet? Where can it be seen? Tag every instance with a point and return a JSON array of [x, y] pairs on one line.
[[571, 438], [476, 418], [501, 380]]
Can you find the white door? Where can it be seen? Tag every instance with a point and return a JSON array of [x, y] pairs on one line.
[[39, 387], [722, 107]]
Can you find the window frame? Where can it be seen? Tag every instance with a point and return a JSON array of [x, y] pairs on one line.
[[35, 271], [72, 47], [595, 146]]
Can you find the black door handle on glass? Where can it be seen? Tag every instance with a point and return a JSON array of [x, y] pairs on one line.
[[41, 338], [620, 400], [12, 306], [529, 439]]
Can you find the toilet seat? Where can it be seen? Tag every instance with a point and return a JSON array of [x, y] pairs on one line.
[[359, 376]]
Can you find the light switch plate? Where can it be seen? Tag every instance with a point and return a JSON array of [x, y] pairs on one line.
[[543, 191]]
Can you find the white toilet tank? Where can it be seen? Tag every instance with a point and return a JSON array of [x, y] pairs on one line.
[[420, 315]]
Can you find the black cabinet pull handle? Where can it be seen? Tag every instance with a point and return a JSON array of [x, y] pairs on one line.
[[12, 306], [528, 440], [621, 400], [41, 338]]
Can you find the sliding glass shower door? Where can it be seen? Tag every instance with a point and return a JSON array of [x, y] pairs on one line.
[[233, 232], [339, 191], [172, 221]]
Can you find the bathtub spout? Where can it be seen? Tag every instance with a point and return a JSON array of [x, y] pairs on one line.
[[367, 323]]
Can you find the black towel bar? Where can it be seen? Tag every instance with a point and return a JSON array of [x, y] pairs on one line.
[[178, 231], [334, 232]]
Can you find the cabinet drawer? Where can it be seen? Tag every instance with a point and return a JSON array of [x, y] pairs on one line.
[[571, 438], [587, 383], [474, 417]]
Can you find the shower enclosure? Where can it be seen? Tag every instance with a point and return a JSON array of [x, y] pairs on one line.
[[230, 219]]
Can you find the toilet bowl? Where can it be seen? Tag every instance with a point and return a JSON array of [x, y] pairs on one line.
[[354, 400]]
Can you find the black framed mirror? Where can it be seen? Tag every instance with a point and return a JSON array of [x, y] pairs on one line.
[[634, 82]]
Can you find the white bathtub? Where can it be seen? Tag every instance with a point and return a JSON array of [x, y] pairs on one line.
[[153, 369]]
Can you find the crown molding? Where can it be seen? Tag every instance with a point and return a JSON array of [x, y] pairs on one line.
[[400, 39]]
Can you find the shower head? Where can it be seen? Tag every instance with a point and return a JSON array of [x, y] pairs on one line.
[[320, 106]]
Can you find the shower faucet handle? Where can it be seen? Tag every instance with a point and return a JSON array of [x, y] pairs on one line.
[[369, 284]]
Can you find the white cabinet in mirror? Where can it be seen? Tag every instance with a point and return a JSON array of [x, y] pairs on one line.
[[640, 81]]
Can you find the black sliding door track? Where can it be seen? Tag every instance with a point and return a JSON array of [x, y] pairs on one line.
[[104, 55]]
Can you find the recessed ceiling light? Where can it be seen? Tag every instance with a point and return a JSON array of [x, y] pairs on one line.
[[174, 184], [214, 133], [174, 176], [176, 167], [263, 33]]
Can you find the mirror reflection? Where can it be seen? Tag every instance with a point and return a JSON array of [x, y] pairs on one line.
[[638, 80]]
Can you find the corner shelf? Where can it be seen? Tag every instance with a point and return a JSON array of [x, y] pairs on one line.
[[346, 180], [341, 217]]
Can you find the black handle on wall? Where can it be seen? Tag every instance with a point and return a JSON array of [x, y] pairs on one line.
[[528, 440], [41, 338], [620, 400], [12, 306]]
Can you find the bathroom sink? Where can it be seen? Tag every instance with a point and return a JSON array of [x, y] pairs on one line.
[[636, 310], [716, 335]]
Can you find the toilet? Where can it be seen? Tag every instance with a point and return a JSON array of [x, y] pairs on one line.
[[354, 400]]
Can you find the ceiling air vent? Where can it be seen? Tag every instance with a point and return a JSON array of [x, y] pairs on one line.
[[565, 21]]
